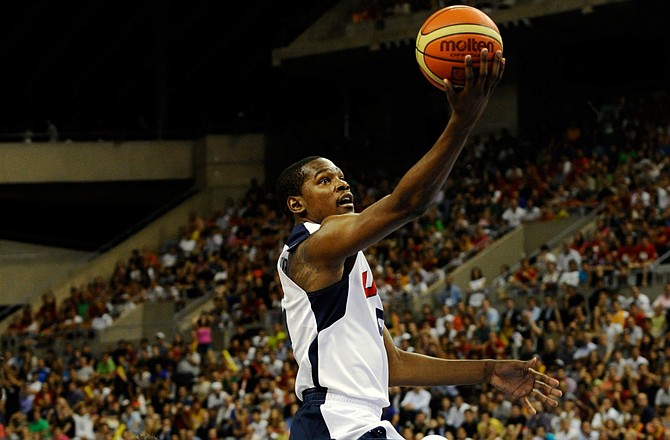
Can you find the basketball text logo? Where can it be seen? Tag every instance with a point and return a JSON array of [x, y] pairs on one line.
[[466, 45]]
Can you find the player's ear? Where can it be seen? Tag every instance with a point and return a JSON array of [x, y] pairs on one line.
[[295, 204]]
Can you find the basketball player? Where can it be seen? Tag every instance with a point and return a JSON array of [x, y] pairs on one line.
[[346, 356]]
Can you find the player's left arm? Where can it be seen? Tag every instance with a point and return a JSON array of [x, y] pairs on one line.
[[518, 379]]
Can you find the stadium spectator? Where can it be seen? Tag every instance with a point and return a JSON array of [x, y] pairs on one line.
[[567, 254], [525, 278], [514, 214], [476, 288], [451, 293]]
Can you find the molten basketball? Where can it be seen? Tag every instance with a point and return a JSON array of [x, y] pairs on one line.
[[448, 36]]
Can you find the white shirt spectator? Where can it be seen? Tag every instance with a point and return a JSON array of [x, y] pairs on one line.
[[635, 331], [169, 258], [259, 427], [85, 372], [590, 434], [618, 362], [566, 430], [612, 331], [477, 293], [551, 278], [640, 196], [187, 245], [156, 292], [663, 300], [476, 298], [571, 278], [217, 398], [565, 256], [83, 426], [566, 167], [636, 361], [416, 287], [545, 258], [440, 322], [533, 213], [455, 417], [101, 322], [640, 299], [583, 352], [214, 241], [663, 198], [417, 399], [189, 364], [513, 216], [599, 418]]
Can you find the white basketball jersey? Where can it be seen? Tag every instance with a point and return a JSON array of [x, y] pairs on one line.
[[336, 332]]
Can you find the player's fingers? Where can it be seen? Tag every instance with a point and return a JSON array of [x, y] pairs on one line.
[[449, 90], [547, 387], [469, 73], [544, 398], [484, 66], [498, 65], [495, 69], [540, 377], [531, 408]]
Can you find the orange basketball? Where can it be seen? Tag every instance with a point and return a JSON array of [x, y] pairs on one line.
[[448, 36]]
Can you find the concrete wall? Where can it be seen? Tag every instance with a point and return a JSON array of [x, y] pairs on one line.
[[537, 234], [26, 270], [144, 321], [506, 250], [95, 161], [230, 163]]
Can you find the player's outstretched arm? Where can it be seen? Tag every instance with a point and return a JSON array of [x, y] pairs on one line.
[[419, 187], [517, 379]]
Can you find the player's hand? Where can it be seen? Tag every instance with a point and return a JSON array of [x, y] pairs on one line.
[[518, 380], [470, 102]]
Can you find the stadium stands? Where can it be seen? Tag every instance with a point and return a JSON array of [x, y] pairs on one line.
[[601, 329]]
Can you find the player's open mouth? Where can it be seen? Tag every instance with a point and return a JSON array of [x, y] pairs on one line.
[[346, 200]]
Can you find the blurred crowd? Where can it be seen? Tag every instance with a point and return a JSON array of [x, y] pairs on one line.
[[582, 307]]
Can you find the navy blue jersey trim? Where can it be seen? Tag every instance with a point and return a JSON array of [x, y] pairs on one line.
[[329, 304], [313, 354], [285, 325], [298, 234]]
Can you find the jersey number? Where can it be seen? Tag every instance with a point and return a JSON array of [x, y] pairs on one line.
[[380, 321], [369, 291]]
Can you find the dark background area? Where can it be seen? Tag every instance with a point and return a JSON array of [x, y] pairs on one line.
[[558, 63], [85, 216], [168, 69], [147, 68]]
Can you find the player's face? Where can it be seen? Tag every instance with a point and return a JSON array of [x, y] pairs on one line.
[[324, 191]]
